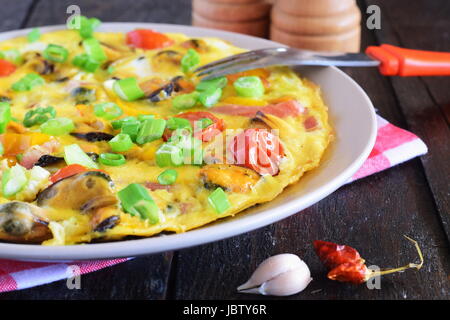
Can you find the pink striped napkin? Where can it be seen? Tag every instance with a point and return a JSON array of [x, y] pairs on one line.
[[393, 146]]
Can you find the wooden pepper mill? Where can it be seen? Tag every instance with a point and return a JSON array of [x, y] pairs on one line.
[[320, 25], [250, 17]]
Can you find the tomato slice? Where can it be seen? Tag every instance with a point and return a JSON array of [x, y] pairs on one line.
[[206, 134], [257, 149], [148, 39], [68, 171], [6, 68]]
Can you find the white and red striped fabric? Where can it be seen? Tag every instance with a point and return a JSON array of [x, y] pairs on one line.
[[393, 146]]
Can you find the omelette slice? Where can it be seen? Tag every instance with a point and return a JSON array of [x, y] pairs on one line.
[[110, 135]]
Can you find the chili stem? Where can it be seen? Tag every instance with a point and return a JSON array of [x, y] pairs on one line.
[[408, 266]]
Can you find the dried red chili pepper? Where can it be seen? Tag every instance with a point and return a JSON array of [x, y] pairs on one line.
[[346, 265]]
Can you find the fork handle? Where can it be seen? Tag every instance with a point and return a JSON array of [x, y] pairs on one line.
[[396, 61]]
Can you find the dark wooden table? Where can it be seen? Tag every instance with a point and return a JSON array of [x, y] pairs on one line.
[[371, 214]]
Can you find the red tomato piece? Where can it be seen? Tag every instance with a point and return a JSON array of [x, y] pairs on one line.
[[68, 171], [209, 132], [6, 68], [148, 39], [257, 149]]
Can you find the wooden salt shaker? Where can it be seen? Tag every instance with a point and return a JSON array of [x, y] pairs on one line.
[[250, 17], [320, 25]]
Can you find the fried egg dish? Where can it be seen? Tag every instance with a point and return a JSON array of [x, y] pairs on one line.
[[109, 136]]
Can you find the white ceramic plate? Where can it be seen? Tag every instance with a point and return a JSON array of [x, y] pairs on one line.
[[352, 117]]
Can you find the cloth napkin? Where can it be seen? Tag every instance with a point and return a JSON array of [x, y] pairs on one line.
[[393, 146]]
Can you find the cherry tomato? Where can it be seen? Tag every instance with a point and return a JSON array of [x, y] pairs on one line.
[[257, 149], [6, 68], [147, 39]]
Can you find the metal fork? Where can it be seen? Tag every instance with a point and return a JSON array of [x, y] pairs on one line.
[[390, 60], [281, 56]]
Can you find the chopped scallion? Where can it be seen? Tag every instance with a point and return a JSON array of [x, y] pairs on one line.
[[218, 199], [73, 154]]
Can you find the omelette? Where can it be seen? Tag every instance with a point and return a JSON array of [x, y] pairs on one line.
[[108, 136]]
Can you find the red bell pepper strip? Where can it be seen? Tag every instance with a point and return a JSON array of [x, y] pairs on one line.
[[346, 265], [6, 68], [148, 39]]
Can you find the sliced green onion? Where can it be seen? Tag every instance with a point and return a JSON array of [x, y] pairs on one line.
[[151, 130], [28, 82], [57, 126], [218, 199], [136, 200], [73, 154], [111, 70], [94, 50], [13, 180], [210, 97], [128, 89], [87, 26], [107, 110], [205, 122], [56, 53], [190, 60], [80, 60], [5, 115], [117, 124], [169, 155], [34, 35], [131, 128], [20, 86], [185, 101], [168, 177], [191, 148], [212, 84], [178, 123], [111, 159], [38, 116], [250, 87], [121, 143], [85, 62], [143, 117], [12, 55], [179, 136], [148, 211]]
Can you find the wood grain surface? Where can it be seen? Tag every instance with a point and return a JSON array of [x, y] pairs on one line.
[[372, 214]]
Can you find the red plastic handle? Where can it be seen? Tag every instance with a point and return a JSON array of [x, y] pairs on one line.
[[396, 61]]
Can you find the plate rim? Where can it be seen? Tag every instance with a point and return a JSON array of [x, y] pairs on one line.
[[219, 231]]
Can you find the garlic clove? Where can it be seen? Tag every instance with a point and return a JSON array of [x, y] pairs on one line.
[[286, 284], [280, 275], [270, 268]]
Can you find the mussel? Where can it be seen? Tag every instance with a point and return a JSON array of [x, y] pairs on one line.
[[93, 136], [83, 95], [165, 91], [23, 222], [85, 192]]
